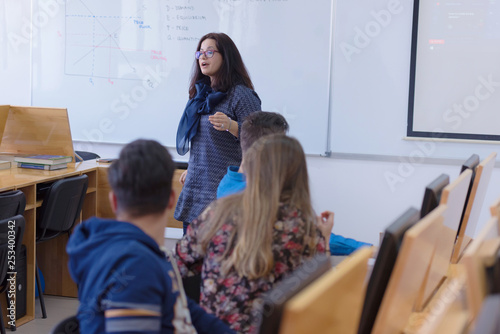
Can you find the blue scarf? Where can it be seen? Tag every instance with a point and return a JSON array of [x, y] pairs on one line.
[[203, 103]]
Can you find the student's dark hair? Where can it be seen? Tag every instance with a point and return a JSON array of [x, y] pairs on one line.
[[141, 178], [261, 123], [232, 71]]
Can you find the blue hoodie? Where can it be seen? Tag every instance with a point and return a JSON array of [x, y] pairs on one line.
[[121, 270]]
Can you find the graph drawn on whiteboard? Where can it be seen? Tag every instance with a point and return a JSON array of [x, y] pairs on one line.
[[121, 67], [113, 39]]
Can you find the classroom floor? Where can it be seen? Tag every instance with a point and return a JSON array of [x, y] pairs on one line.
[[57, 308]]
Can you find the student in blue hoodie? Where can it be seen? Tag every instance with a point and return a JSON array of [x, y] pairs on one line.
[[126, 282]]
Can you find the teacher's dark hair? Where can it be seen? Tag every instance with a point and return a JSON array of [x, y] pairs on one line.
[[232, 71], [141, 178]]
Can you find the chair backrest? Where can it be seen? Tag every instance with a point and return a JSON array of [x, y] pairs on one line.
[[12, 203], [69, 325], [11, 238], [333, 302], [409, 273], [274, 301], [453, 196], [61, 207], [469, 225]]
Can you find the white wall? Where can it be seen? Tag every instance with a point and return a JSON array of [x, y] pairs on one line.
[[358, 192], [364, 202]]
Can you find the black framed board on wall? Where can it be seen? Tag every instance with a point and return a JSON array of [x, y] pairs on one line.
[[455, 72]]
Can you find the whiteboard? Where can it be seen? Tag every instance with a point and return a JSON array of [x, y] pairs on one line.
[[121, 67]]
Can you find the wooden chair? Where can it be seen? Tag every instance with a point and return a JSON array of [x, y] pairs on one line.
[[274, 301], [409, 273], [474, 205], [446, 312], [381, 272], [453, 197], [332, 304]]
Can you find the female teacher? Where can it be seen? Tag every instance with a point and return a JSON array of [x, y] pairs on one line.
[[221, 95]]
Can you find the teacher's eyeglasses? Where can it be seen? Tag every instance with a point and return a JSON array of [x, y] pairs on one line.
[[208, 53]]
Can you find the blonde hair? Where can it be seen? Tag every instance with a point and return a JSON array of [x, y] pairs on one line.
[[276, 172]]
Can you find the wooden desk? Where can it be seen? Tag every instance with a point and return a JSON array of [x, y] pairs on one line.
[[54, 267], [57, 278]]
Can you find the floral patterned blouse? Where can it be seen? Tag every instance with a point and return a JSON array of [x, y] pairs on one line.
[[232, 298]]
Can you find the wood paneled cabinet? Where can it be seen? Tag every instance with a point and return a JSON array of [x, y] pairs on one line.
[[51, 255]]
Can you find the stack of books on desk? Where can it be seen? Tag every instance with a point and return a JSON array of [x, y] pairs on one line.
[[44, 162]]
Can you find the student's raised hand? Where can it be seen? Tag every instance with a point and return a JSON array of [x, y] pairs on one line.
[[220, 121], [182, 179], [325, 223]]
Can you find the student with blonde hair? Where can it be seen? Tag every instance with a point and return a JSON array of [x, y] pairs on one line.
[[246, 242]]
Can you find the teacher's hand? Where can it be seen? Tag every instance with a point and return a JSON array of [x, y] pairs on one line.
[[220, 121]]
